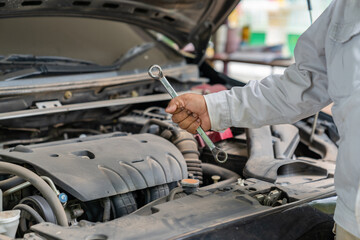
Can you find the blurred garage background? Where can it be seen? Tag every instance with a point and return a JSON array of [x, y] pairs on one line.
[[259, 37]]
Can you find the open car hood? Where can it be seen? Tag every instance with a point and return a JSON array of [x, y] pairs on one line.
[[183, 21]]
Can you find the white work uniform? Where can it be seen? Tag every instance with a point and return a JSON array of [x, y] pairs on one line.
[[327, 69]]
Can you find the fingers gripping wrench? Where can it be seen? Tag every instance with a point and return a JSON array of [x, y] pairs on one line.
[[155, 72]]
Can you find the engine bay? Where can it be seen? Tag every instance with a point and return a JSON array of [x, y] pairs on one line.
[[134, 165]]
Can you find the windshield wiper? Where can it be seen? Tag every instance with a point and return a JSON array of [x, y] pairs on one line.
[[52, 69], [37, 65], [28, 59], [133, 52]]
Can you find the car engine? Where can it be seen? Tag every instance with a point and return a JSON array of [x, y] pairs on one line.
[[124, 166], [115, 165], [99, 177]]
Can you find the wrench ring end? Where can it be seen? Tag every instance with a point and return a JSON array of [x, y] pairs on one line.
[[220, 155], [155, 71]]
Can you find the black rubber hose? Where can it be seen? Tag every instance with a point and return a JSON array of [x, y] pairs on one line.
[[173, 192], [31, 211], [107, 209], [10, 183], [226, 174], [160, 123], [39, 184]]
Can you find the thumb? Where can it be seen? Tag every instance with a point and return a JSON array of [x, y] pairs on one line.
[[171, 108]]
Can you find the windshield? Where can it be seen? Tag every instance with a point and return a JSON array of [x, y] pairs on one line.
[[98, 41]]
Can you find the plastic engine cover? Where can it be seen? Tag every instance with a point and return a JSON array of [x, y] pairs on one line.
[[93, 168]]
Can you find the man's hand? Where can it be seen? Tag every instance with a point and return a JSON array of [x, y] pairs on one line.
[[189, 111]]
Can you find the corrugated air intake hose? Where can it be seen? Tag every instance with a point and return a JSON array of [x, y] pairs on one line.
[[184, 141]]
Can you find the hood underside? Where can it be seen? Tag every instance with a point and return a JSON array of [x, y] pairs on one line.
[[183, 21]]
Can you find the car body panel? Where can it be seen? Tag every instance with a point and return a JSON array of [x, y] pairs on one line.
[[183, 21]]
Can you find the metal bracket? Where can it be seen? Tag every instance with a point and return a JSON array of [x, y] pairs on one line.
[[48, 104]]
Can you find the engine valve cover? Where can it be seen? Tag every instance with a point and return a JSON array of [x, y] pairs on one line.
[[93, 168]]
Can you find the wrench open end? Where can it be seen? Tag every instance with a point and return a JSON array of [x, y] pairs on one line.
[[155, 71]]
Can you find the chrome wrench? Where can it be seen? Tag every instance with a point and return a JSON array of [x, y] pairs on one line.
[[156, 72]]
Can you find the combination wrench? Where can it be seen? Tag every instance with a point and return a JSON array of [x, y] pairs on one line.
[[156, 72]]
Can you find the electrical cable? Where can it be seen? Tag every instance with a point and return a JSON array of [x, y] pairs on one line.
[[310, 11], [316, 116]]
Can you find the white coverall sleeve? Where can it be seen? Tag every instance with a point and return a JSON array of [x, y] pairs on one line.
[[300, 92]]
